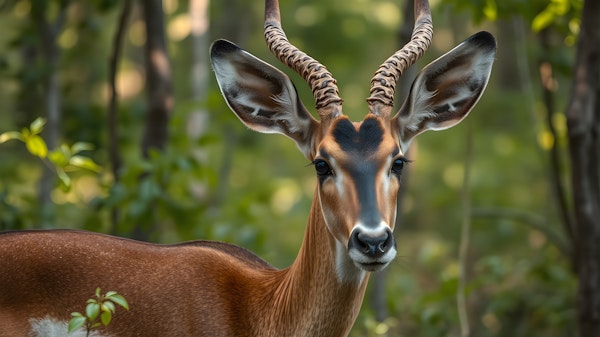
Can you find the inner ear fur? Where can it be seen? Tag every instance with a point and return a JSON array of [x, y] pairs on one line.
[[447, 89], [261, 96]]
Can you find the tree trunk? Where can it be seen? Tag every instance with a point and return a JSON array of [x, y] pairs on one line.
[[198, 120], [583, 120], [48, 33], [200, 41], [158, 78], [159, 98], [114, 153]]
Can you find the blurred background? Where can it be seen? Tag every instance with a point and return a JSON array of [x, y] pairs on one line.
[[483, 233]]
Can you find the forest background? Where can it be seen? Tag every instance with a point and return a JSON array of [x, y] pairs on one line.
[[137, 141]]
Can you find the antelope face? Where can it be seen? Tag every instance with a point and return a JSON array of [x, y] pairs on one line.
[[358, 166]]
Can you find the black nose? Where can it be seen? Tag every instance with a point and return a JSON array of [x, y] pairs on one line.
[[373, 244]]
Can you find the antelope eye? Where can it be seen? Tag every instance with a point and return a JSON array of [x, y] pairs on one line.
[[398, 165], [322, 168]]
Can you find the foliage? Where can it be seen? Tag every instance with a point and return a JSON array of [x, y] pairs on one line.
[[98, 311], [159, 190], [540, 13], [63, 159]]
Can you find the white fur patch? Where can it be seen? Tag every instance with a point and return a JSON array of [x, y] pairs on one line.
[[346, 270], [50, 327]]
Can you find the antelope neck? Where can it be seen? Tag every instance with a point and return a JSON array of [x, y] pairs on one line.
[[315, 300]]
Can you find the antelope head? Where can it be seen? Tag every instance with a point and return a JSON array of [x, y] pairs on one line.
[[358, 164]]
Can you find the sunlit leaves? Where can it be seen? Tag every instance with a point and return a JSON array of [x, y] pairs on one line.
[[554, 10], [490, 10], [9, 135], [36, 146], [84, 163], [562, 15], [101, 307], [37, 125], [68, 159], [30, 136], [62, 159]]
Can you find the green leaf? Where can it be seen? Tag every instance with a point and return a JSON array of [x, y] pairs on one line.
[[120, 300], [36, 146], [490, 10], [85, 163], [92, 311], [76, 322], [106, 317], [542, 20], [108, 306], [37, 125], [64, 178], [64, 148], [81, 146], [9, 135], [555, 9], [58, 158]]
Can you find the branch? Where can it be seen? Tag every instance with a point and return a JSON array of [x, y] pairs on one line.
[[548, 88]]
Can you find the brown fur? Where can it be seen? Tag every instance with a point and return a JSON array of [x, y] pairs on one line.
[[194, 289]]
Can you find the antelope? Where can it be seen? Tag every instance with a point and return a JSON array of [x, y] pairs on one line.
[[205, 288]]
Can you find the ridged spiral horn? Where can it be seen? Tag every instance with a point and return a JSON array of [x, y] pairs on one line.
[[320, 80], [383, 84]]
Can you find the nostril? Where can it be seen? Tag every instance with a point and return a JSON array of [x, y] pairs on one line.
[[370, 244], [374, 244], [389, 240], [358, 242]]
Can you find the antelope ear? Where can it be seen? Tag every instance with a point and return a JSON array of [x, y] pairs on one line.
[[447, 89], [261, 96]]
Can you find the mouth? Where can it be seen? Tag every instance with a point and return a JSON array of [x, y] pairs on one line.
[[370, 263], [371, 266]]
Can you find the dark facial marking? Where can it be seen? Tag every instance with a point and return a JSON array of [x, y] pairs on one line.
[[359, 145], [365, 141], [364, 182]]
